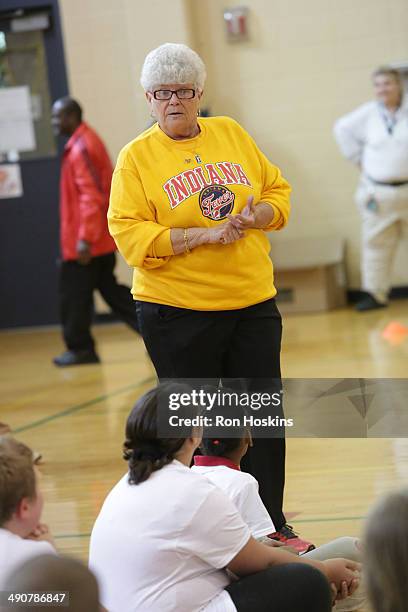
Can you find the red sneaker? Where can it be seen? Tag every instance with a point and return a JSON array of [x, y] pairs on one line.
[[286, 535]]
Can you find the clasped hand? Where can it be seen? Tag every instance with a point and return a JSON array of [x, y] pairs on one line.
[[233, 229]]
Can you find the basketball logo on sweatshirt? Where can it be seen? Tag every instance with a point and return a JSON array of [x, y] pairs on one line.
[[216, 202]]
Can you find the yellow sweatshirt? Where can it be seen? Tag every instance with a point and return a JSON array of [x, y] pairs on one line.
[[160, 183]]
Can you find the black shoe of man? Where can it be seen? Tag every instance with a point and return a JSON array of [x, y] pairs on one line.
[[369, 303], [73, 358]]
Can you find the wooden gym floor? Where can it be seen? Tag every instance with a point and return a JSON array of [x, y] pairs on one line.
[[76, 417]]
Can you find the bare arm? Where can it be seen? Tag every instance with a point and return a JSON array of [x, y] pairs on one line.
[[189, 239], [255, 557], [263, 214], [196, 236]]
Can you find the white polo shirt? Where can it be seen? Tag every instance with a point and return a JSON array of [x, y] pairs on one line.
[[163, 545], [15, 551], [241, 488], [376, 139]]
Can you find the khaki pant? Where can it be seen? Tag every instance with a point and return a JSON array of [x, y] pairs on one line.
[[347, 548], [384, 213]]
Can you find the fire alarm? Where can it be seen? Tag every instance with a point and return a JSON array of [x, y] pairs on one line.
[[236, 23]]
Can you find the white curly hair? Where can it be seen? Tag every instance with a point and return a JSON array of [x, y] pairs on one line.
[[172, 63]]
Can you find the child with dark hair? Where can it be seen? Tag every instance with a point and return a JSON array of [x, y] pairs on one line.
[[220, 463], [165, 537]]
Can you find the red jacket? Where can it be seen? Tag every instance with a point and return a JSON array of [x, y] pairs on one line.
[[86, 175]]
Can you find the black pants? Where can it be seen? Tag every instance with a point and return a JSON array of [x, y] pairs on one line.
[[77, 284], [243, 343], [293, 587]]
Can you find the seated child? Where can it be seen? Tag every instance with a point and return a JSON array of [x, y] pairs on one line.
[[220, 463], [386, 553], [22, 536], [165, 536]]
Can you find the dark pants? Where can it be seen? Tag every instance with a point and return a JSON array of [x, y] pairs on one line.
[[293, 587], [77, 284], [243, 343]]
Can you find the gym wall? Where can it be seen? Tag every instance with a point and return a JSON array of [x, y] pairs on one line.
[[306, 64]]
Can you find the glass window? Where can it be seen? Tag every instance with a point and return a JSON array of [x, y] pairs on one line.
[[23, 62]]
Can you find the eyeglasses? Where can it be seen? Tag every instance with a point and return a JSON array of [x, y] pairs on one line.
[[166, 94]]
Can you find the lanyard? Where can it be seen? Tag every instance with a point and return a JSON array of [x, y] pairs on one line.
[[390, 120]]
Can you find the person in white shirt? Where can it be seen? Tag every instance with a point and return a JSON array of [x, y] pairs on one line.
[[22, 535], [220, 463], [375, 138], [165, 537]]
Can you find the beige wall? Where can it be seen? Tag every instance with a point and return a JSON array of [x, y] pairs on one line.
[[306, 64], [105, 45]]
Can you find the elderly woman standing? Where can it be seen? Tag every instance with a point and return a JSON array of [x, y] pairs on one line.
[[191, 201]]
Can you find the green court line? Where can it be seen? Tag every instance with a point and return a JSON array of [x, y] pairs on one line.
[[329, 520], [67, 536], [96, 400], [78, 407]]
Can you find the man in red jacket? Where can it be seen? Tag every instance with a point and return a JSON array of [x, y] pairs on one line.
[[88, 251]]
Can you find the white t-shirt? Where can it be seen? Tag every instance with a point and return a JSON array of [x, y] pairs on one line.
[[363, 137], [15, 551], [243, 490], [163, 545]]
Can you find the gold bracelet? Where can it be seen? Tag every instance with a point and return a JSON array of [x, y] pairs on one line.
[[186, 243]]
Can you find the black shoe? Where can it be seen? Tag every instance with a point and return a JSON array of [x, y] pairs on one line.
[[72, 358], [369, 303]]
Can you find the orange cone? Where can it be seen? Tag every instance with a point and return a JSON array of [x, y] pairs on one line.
[[395, 332]]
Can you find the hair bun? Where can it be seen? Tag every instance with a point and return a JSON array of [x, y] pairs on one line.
[[148, 451]]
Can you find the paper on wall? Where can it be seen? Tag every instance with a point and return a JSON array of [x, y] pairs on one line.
[[11, 185], [16, 122]]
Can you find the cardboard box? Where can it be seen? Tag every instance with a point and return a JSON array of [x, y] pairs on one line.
[[310, 273]]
